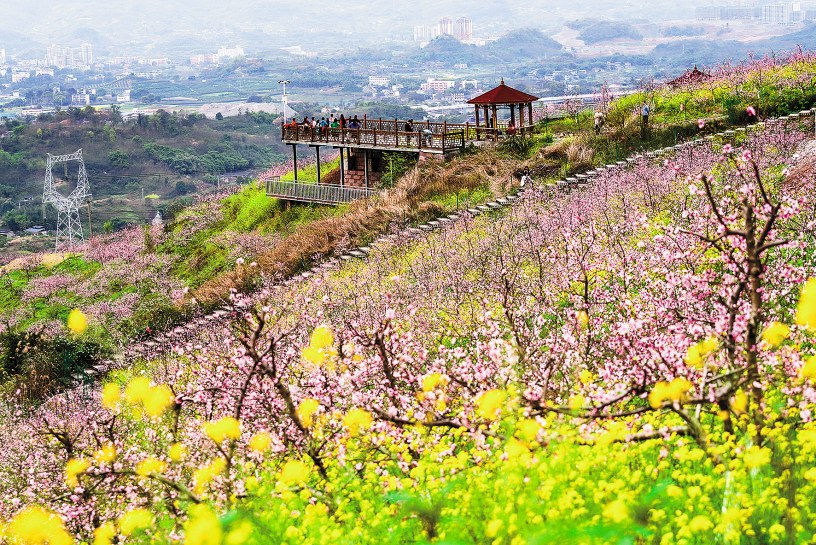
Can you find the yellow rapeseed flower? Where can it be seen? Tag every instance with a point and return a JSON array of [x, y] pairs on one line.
[[739, 403], [104, 534], [240, 534], [700, 523], [225, 428], [489, 403], [260, 442], [321, 338], [810, 474], [429, 382], [150, 466], [37, 526], [306, 410], [137, 389], [528, 429], [134, 521], [314, 355], [321, 344], [294, 472], [806, 309], [616, 511], [111, 395], [357, 420], [756, 457], [697, 353], [583, 318], [675, 391], [493, 527], [105, 455], [576, 402], [77, 322], [158, 399], [203, 475], [775, 333], [808, 370], [203, 527], [177, 452], [585, 376], [73, 469]]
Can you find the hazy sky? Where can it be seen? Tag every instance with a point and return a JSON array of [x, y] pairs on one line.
[[26, 25]]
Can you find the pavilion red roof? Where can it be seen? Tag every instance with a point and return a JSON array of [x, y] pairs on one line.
[[503, 94], [690, 77]]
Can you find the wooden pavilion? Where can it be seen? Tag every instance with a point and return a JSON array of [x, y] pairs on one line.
[[503, 96], [690, 77]]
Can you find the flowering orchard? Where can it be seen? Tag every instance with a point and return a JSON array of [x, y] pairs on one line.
[[631, 362]]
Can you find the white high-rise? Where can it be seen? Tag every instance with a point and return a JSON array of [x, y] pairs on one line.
[[463, 29], [446, 26], [86, 54]]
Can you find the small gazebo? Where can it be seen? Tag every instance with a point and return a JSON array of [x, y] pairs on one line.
[[504, 96], [690, 77]]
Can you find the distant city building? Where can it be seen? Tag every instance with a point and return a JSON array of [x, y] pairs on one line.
[[782, 13], [446, 26], [17, 77], [60, 56], [424, 33], [81, 98], [197, 60], [230, 52], [727, 13], [123, 96], [2, 56], [463, 30], [300, 52], [436, 85], [86, 54], [379, 81]]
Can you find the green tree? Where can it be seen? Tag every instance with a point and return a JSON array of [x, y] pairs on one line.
[[119, 159]]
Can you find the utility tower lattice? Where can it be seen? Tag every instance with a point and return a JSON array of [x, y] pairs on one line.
[[69, 226]]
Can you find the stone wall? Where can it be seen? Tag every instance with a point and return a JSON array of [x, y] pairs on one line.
[[355, 169]]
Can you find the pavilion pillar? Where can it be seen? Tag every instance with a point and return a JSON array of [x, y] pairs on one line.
[[513, 114], [530, 114], [495, 123], [342, 169], [521, 118], [365, 167], [476, 107], [294, 160], [317, 158]]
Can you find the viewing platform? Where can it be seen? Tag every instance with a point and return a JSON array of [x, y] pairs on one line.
[[384, 135], [366, 144]]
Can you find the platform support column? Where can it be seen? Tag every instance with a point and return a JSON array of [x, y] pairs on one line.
[[317, 156]]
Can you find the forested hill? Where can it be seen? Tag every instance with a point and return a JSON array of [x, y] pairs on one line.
[[164, 155]]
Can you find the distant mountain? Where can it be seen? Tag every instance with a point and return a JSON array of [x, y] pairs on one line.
[[522, 44], [805, 38], [517, 46], [706, 52], [685, 53], [604, 31]]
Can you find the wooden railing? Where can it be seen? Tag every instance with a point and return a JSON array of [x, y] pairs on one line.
[[418, 140], [391, 134], [316, 193]]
